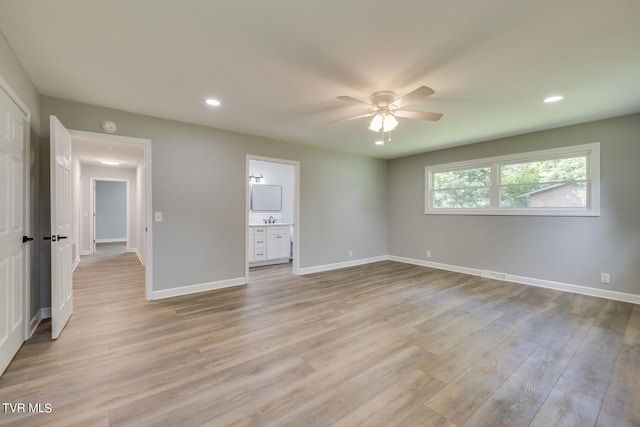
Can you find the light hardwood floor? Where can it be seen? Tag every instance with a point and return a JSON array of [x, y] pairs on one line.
[[382, 344]]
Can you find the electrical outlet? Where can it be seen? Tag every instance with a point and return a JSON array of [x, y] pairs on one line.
[[428, 254], [605, 278], [350, 254]]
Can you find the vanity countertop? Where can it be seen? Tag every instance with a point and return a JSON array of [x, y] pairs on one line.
[[270, 225]]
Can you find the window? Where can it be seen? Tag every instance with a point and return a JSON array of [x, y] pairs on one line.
[[563, 181]]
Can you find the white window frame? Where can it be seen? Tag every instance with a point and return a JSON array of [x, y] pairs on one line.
[[591, 150]]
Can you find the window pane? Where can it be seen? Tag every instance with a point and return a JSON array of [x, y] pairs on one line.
[[564, 195], [551, 171], [461, 199], [462, 178], [563, 181]]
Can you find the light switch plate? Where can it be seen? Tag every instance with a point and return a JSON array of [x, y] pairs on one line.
[[158, 216]]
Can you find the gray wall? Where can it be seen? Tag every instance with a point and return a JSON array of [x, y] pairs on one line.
[[34, 246], [111, 210], [573, 250], [199, 179], [43, 211]]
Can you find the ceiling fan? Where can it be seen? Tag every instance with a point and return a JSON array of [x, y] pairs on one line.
[[385, 107]]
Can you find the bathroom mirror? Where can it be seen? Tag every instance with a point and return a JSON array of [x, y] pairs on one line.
[[266, 198]]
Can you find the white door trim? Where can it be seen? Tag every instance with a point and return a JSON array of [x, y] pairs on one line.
[[296, 209], [146, 143], [26, 292]]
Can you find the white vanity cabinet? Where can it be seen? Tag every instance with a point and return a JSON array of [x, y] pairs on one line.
[[268, 244], [257, 244], [278, 246]]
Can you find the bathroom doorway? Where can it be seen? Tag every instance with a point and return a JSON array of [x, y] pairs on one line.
[[272, 213]]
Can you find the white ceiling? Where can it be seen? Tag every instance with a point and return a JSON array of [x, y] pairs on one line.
[[93, 151], [278, 66]]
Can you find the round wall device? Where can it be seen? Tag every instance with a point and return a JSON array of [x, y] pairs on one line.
[[109, 126]]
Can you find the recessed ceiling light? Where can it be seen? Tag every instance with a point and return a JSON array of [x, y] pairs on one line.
[[554, 98], [379, 142], [212, 102], [109, 163]]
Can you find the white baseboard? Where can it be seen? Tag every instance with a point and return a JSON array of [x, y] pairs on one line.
[[43, 313], [202, 287], [84, 253], [531, 281], [138, 254], [576, 289], [439, 266], [338, 265], [116, 240], [75, 264]]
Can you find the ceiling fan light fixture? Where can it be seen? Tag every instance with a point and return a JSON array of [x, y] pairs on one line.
[[376, 122], [383, 121], [389, 123]]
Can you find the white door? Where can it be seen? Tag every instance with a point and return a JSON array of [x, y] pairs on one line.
[[61, 256], [12, 258]]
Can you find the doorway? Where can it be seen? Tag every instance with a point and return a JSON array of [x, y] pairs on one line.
[[278, 219], [111, 216], [113, 161]]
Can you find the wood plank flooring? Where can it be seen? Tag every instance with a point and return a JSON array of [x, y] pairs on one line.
[[385, 344]]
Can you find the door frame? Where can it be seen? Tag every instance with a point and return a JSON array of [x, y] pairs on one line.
[[296, 209], [26, 207], [148, 215], [92, 209]]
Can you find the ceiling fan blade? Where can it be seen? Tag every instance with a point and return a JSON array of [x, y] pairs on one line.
[[353, 100], [414, 96], [353, 118], [418, 115]]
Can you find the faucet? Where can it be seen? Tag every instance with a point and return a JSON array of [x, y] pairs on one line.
[[272, 220]]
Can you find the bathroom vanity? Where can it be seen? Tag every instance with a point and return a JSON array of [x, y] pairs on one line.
[[269, 244]]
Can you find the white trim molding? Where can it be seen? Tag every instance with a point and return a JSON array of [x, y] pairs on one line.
[[530, 281], [338, 265], [202, 287], [138, 254]]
